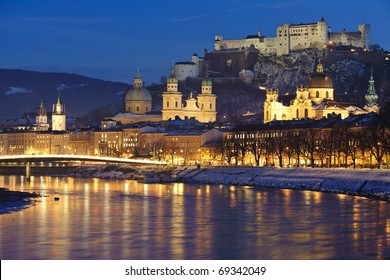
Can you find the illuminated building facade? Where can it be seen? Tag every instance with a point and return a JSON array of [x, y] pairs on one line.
[[202, 108], [314, 102], [290, 37], [58, 116]]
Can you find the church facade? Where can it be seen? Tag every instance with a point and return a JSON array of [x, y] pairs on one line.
[[202, 108], [315, 101]]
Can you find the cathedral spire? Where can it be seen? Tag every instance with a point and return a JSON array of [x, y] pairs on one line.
[[371, 96]]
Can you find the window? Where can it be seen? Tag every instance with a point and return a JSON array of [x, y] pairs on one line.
[[317, 94], [211, 106], [147, 108], [306, 113], [327, 94], [167, 104], [176, 104], [137, 108], [297, 114]]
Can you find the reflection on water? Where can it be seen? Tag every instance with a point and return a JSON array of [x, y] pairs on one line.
[[105, 219]]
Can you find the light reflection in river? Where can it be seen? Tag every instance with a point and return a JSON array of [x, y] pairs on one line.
[[105, 219]]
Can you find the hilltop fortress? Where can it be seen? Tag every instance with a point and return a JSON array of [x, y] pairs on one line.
[[291, 37]]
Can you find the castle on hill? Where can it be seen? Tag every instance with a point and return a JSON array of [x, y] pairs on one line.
[[291, 37]]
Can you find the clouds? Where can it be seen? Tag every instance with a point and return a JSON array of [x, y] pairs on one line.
[[190, 18]]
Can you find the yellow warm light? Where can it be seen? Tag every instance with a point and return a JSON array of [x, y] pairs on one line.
[[80, 157]]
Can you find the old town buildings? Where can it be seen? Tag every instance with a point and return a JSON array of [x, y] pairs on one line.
[[312, 131]]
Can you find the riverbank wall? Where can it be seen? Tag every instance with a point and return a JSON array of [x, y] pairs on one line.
[[367, 182]]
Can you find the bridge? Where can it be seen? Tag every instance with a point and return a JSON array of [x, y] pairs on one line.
[[44, 158], [27, 159]]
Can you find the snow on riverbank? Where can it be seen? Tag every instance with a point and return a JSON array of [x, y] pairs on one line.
[[368, 183], [361, 182], [107, 172], [11, 201]]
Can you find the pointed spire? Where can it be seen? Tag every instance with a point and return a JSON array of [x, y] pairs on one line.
[[206, 83], [371, 96], [41, 109], [59, 99]]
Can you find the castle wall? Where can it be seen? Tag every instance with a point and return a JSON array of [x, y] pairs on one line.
[[230, 63], [186, 70], [291, 37]]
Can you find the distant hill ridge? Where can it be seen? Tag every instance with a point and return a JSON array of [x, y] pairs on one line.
[[21, 91]]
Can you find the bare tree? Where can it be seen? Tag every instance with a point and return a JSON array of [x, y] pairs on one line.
[[311, 135], [256, 146], [278, 142], [379, 141]]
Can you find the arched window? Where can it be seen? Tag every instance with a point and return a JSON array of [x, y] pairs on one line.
[[327, 94], [317, 94], [275, 117], [211, 106], [128, 109], [297, 114], [176, 104], [306, 113], [147, 108], [167, 104], [284, 117], [137, 108]]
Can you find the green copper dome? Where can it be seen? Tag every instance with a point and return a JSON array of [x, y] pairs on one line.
[[138, 92], [206, 82], [172, 78]]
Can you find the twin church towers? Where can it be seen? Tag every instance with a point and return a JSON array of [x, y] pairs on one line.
[[138, 101], [58, 117]]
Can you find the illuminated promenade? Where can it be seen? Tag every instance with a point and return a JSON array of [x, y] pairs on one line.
[[31, 158]]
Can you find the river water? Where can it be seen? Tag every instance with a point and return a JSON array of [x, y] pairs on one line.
[[109, 219]]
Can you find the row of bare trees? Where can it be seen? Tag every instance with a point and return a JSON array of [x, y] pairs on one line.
[[336, 146]]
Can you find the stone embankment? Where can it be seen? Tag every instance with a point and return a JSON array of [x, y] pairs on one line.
[[366, 182]]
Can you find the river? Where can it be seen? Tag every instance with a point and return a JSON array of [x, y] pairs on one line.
[[111, 219]]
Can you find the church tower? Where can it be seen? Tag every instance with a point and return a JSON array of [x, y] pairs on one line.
[[41, 118], [371, 97], [58, 116], [207, 101], [172, 99]]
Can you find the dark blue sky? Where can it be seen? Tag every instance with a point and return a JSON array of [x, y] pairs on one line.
[[109, 39]]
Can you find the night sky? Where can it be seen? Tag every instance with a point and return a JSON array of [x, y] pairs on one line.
[[110, 39]]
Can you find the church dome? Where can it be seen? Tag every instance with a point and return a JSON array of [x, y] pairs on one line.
[[319, 79], [138, 92]]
